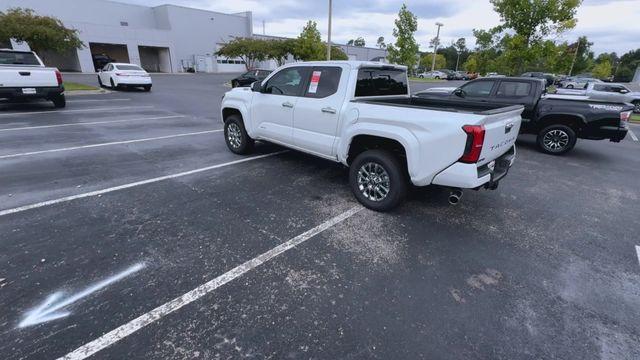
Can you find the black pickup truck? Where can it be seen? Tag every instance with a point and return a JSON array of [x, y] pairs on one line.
[[557, 120]]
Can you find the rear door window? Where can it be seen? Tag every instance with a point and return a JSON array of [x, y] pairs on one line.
[[324, 82], [381, 82], [478, 88], [514, 89]]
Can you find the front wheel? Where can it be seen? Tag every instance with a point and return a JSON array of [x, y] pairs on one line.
[[236, 137], [378, 180], [557, 139], [636, 105], [234, 84], [569, 86], [59, 101]]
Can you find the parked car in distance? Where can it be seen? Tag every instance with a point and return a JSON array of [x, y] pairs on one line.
[[494, 75], [472, 75], [460, 75], [578, 83], [608, 92], [250, 77], [450, 73], [557, 120], [435, 74], [361, 114], [23, 76], [122, 75], [100, 60], [549, 78]]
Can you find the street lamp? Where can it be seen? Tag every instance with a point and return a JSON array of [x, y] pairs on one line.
[[435, 46], [329, 35]]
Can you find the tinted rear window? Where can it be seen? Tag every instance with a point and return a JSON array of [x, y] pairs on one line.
[[380, 82], [128, 67], [514, 89], [17, 58], [324, 82]]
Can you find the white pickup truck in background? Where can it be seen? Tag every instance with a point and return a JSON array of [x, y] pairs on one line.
[[23, 76], [362, 115], [611, 92]]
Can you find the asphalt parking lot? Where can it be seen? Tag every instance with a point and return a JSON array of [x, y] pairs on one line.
[[129, 231]]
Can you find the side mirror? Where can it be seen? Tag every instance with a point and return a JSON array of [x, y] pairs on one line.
[[256, 86], [459, 92]]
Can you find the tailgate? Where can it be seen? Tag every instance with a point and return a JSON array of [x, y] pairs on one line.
[[501, 132], [24, 77]]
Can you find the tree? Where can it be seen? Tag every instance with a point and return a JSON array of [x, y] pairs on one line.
[[338, 54], [380, 43], [250, 50], [279, 50], [405, 49], [42, 33], [309, 44], [357, 42], [427, 58], [602, 70]]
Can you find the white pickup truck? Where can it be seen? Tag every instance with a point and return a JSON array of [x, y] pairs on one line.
[[362, 115], [24, 76]]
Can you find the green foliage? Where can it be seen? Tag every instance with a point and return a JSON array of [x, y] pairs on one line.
[[471, 65], [356, 42], [380, 43], [279, 50], [42, 33], [405, 49], [427, 59], [602, 70], [584, 58], [250, 50], [627, 65], [338, 54], [309, 46]]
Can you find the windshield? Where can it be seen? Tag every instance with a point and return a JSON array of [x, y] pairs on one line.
[[128, 67], [18, 58], [381, 82]]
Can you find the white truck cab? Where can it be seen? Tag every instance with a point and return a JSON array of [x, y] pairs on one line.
[[362, 115]]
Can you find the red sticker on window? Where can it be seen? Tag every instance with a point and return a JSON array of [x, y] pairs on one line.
[[315, 79]]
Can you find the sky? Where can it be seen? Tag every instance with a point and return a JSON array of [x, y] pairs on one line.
[[612, 25]]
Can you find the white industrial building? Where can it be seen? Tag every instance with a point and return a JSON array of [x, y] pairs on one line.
[[166, 38]]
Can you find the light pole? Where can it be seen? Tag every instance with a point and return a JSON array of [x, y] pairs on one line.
[[435, 46], [329, 35], [458, 59]]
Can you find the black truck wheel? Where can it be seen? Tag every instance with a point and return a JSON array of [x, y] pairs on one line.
[[59, 101], [636, 108], [377, 179], [236, 137], [557, 139]]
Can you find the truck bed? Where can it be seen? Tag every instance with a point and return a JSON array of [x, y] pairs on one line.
[[440, 105]]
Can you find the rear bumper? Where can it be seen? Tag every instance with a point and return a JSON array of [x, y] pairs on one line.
[[41, 92], [613, 133], [472, 176], [137, 81]]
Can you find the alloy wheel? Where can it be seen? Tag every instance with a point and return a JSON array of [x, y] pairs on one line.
[[234, 135], [373, 181], [555, 140]]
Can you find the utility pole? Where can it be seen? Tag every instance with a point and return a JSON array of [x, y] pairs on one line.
[[458, 59], [573, 62], [263, 31], [329, 35], [435, 46]]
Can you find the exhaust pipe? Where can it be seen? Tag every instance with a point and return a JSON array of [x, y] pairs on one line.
[[455, 196]]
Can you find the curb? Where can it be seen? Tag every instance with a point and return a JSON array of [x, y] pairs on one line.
[[86, 92]]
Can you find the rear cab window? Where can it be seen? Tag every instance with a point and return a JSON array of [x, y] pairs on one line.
[[18, 58], [514, 89], [381, 81], [478, 88]]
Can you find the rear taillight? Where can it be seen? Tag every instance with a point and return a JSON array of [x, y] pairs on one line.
[[475, 140], [59, 77], [624, 118]]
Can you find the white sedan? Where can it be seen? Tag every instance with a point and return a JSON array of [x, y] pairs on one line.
[[436, 74], [120, 75]]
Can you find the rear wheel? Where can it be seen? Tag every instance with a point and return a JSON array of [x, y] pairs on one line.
[[636, 105], [437, 77], [569, 86], [378, 180], [100, 82], [234, 84], [113, 85], [236, 137], [147, 88], [59, 101], [557, 139]]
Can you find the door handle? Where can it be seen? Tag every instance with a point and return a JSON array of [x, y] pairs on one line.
[[329, 110], [287, 104]]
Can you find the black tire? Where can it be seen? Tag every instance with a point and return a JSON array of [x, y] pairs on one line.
[[113, 85], [421, 76], [147, 88], [234, 84], [59, 101], [395, 174], [569, 86], [100, 82], [437, 77], [240, 143], [557, 139], [636, 105]]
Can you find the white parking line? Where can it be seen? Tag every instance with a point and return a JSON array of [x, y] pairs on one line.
[[96, 100], [91, 123], [130, 185], [107, 144], [633, 135], [161, 311], [75, 111]]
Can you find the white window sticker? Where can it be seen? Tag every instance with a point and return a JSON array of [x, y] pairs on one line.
[[315, 79]]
